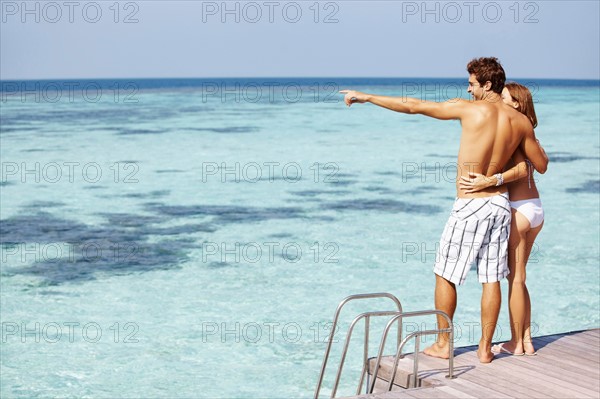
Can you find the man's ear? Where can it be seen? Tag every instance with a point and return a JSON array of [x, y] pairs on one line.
[[487, 86]]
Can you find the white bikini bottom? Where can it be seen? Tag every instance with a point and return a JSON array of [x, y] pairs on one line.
[[531, 209]]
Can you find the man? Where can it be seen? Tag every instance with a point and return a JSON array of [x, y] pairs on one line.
[[478, 228]]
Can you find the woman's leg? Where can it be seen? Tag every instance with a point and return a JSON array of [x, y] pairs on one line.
[[527, 342], [517, 290]]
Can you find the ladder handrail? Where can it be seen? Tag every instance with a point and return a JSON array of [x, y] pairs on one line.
[[334, 325], [399, 316], [366, 315], [416, 357]]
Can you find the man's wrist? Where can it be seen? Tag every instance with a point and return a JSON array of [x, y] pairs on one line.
[[499, 179]]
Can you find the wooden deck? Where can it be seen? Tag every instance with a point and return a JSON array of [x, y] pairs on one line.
[[566, 366]]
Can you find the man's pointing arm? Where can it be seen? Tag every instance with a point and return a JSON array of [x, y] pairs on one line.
[[451, 109]]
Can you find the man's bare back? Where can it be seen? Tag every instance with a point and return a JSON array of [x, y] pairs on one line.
[[490, 135]]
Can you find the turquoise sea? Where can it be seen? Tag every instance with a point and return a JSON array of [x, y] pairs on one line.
[[193, 237]]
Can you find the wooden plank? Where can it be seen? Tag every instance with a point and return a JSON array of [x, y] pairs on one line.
[[516, 389], [480, 390], [436, 392], [507, 374], [548, 363], [577, 342], [489, 380], [565, 342], [555, 377], [381, 388], [561, 357], [588, 336], [515, 371], [567, 365], [567, 353], [386, 395], [433, 392], [549, 377], [595, 332], [589, 381], [508, 380], [571, 351], [432, 368], [459, 394], [527, 366], [586, 352], [403, 373]]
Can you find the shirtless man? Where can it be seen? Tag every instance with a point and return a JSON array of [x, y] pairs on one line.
[[478, 228]]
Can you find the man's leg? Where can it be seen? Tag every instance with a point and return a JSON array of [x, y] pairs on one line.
[[492, 268], [491, 299], [445, 300]]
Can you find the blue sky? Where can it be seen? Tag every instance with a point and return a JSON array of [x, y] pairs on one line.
[[540, 39]]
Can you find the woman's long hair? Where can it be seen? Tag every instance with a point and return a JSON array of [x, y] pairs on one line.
[[522, 96]]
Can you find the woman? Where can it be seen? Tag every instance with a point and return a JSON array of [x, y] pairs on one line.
[[527, 221]]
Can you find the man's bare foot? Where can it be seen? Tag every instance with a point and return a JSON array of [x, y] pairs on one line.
[[485, 356], [509, 348], [437, 350], [528, 348]]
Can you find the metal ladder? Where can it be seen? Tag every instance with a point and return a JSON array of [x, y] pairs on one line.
[[398, 316], [416, 335]]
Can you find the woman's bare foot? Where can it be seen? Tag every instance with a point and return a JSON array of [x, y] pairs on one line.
[[528, 348], [509, 348], [437, 350]]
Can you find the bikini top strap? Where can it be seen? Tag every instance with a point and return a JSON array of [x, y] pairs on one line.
[[529, 172]]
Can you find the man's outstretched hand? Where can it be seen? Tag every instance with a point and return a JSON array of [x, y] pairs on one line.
[[352, 97]]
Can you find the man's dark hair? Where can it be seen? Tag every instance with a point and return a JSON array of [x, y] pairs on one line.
[[488, 69]]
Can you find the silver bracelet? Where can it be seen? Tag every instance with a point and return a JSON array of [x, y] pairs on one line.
[[500, 179]]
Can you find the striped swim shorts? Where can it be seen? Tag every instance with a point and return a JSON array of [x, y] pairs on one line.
[[476, 234]]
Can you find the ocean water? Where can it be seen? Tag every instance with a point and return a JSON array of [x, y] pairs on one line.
[[192, 238]]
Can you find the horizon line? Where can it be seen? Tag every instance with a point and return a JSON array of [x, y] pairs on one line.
[[282, 77]]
